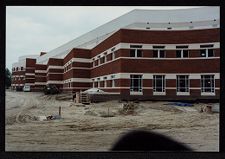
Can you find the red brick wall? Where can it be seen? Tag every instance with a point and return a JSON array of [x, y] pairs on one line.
[[55, 62], [112, 67], [77, 53], [40, 67], [170, 37], [170, 66], [106, 44], [30, 70], [170, 82], [56, 77], [55, 70], [30, 62], [18, 73], [40, 79]]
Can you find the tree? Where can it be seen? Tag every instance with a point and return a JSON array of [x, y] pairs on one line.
[[7, 78]]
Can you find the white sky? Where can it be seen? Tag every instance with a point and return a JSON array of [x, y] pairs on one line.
[[30, 30]]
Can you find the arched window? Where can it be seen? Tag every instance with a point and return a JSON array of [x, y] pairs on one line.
[[16, 68]]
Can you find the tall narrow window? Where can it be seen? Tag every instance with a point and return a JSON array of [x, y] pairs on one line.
[[158, 83], [105, 58], [113, 80], [135, 51], [158, 51], [105, 81], [182, 83], [98, 82], [135, 83], [207, 84], [113, 53], [98, 61], [69, 84], [102, 60], [206, 51]]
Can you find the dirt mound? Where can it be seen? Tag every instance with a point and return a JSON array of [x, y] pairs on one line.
[[22, 117], [64, 97], [10, 120], [107, 114], [92, 113]]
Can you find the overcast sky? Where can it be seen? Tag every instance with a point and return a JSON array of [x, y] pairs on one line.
[[30, 30]]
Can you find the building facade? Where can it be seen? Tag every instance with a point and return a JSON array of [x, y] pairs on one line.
[[169, 54]]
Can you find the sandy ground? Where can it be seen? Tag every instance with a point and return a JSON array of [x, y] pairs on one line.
[[83, 129]]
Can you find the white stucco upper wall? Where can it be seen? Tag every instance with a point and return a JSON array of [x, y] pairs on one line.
[[102, 32]]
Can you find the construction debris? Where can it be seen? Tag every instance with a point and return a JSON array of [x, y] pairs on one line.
[[207, 109], [81, 97], [210, 108], [128, 108], [41, 118], [53, 117]]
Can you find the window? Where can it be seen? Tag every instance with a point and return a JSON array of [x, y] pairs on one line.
[[135, 51], [161, 53], [135, 83], [105, 81], [182, 51], [207, 84], [113, 53], [69, 84], [206, 51], [182, 83], [21, 68], [158, 51], [113, 80], [98, 82], [98, 61], [158, 83], [17, 69], [105, 57], [102, 60]]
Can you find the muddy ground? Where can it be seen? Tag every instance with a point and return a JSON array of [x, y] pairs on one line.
[[84, 129]]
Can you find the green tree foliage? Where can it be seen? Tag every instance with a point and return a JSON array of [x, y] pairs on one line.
[[7, 78]]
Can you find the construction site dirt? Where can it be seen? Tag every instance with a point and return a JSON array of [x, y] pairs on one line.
[[97, 126]]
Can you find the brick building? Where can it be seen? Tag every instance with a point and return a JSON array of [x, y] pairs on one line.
[[149, 54]]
